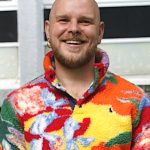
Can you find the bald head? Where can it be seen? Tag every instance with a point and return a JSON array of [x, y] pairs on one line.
[[81, 4]]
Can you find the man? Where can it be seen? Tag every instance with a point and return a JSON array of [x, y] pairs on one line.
[[77, 103]]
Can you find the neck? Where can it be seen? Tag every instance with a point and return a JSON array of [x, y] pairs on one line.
[[75, 81]]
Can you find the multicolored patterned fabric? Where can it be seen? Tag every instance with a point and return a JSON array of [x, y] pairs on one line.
[[112, 114]]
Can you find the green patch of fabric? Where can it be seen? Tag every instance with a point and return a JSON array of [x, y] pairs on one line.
[[133, 101], [111, 78], [136, 121], [8, 116], [96, 76], [3, 129], [8, 119], [122, 138]]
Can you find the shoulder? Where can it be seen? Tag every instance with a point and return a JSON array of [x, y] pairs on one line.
[[119, 84], [33, 85], [28, 98], [118, 90]]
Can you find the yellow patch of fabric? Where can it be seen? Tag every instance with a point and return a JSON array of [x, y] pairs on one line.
[[105, 123]]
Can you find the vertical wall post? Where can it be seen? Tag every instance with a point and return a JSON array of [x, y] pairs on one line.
[[30, 34]]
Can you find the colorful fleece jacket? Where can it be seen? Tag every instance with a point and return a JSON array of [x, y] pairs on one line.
[[112, 114]]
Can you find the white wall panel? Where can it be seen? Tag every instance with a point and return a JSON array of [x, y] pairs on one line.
[[130, 59], [8, 5], [9, 63], [110, 3]]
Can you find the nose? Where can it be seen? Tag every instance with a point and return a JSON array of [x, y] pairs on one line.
[[74, 27]]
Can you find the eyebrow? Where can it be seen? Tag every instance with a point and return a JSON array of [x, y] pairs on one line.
[[88, 18], [61, 16]]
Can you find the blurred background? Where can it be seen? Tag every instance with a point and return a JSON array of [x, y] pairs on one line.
[[23, 43]]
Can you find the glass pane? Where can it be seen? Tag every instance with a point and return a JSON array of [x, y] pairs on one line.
[[129, 58], [126, 22], [8, 63], [8, 26], [3, 94]]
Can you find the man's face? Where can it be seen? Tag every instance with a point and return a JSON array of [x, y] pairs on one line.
[[74, 31]]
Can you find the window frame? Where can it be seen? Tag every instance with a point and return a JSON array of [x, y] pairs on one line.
[[6, 84], [139, 79], [109, 3], [8, 5]]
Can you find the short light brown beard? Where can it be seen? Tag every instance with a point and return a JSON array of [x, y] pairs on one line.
[[78, 63]]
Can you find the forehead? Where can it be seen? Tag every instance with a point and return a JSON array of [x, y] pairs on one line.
[[80, 7]]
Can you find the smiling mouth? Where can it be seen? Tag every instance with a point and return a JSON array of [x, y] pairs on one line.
[[74, 42]]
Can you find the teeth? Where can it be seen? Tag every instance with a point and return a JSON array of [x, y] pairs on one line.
[[73, 42]]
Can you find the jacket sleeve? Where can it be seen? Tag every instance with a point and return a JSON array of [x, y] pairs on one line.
[[141, 133], [11, 133]]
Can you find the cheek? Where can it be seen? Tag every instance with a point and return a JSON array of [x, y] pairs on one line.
[[58, 30], [90, 33]]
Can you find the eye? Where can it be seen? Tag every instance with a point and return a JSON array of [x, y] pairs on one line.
[[85, 22], [63, 20], [110, 110]]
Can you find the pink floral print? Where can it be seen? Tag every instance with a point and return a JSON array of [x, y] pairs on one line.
[[29, 101]]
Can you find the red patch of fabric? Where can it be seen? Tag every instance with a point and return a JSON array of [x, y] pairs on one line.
[[57, 124], [63, 112], [83, 127], [45, 145], [29, 137], [144, 119]]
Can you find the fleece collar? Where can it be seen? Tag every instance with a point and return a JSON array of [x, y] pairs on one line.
[[100, 68]]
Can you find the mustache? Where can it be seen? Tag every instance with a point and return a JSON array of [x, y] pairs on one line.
[[74, 38]]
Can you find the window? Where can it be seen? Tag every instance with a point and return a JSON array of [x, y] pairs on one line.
[[8, 5], [8, 45], [8, 26], [126, 22]]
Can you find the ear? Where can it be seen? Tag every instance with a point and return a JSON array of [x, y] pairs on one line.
[[47, 29], [101, 31]]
